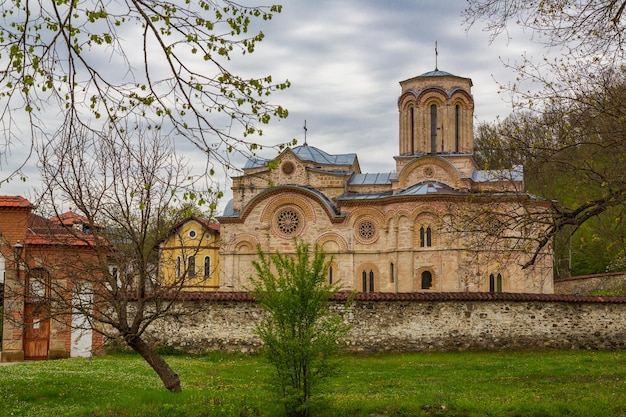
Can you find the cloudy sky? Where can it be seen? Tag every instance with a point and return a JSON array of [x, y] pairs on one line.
[[345, 60]]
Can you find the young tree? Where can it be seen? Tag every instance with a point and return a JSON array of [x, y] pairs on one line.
[[125, 189], [300, 333], [157, 64]]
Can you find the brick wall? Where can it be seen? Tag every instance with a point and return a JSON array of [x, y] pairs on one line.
[[420, 322]]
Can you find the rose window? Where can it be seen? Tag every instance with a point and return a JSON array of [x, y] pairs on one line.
[[288, 222], [288, 168], [367, 230]]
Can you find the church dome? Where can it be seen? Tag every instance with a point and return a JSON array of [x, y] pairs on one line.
[[437, 73]]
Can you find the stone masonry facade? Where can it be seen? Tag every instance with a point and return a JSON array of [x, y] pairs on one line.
[[439, 223]]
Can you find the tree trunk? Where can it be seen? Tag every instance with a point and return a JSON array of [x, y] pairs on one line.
[[166, 373]]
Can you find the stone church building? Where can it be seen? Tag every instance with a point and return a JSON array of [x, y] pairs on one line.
[[438, 223]]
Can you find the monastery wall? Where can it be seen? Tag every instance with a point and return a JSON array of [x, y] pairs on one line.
[[587, 284], [419, 322]]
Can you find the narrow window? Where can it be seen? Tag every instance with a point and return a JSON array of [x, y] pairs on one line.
[[191, 266], [433, 129], [492, 283], [364, 281], [330, 275], [207, 266], [429, 237], [371, 281], [499, 283], [427, 280], [457, 112], [391, 273], [178, 267], [422, 238], [412, 130]]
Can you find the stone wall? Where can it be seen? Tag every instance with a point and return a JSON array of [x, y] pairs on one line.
[[420, 322], [587, 284]]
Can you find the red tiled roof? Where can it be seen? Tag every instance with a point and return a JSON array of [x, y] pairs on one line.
[[42, 231], [206, 223], [14, 201], [69, 218], [421, 296]]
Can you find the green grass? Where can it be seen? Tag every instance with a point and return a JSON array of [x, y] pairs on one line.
[[468, 384]]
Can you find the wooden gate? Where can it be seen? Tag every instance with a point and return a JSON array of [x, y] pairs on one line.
[[37, 334]]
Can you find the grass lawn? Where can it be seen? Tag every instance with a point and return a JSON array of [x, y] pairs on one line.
[[542, 383]]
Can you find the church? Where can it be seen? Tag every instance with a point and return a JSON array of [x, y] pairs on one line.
[[438, 223]]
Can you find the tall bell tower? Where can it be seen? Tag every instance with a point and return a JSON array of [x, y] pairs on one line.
[[436, 111]]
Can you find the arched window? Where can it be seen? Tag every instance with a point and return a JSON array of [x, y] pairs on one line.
[[426, 237], [457, 115], [207, 266], [191, 266], [330, 275], [368, 284], [433, 129], [412, 130], [495, 283], [392, 277], [177, 267], [427, 280]]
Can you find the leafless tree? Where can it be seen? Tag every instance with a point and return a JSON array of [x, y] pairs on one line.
[[571, 129], [125, 190]]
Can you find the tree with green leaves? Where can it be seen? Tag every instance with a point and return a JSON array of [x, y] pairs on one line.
[[300, 333], [105, 66], [569, 116]]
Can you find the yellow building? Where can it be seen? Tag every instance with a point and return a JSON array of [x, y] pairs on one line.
[[189, 255]]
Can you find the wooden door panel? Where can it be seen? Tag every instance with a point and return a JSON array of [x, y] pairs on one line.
[[37, 334]]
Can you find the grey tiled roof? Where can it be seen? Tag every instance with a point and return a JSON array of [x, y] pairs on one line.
[[436, 73], [228, 210], [372, 179], [311, 154], [515, 174], [428, 187], [420, 189]]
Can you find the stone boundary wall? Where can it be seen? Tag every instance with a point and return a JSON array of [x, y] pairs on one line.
[[419, 322], [586, 284]]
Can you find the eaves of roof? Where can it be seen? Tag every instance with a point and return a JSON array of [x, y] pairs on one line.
[[232, 216], [418, 296]]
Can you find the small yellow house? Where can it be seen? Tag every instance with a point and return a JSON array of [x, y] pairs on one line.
[[189, 255]]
